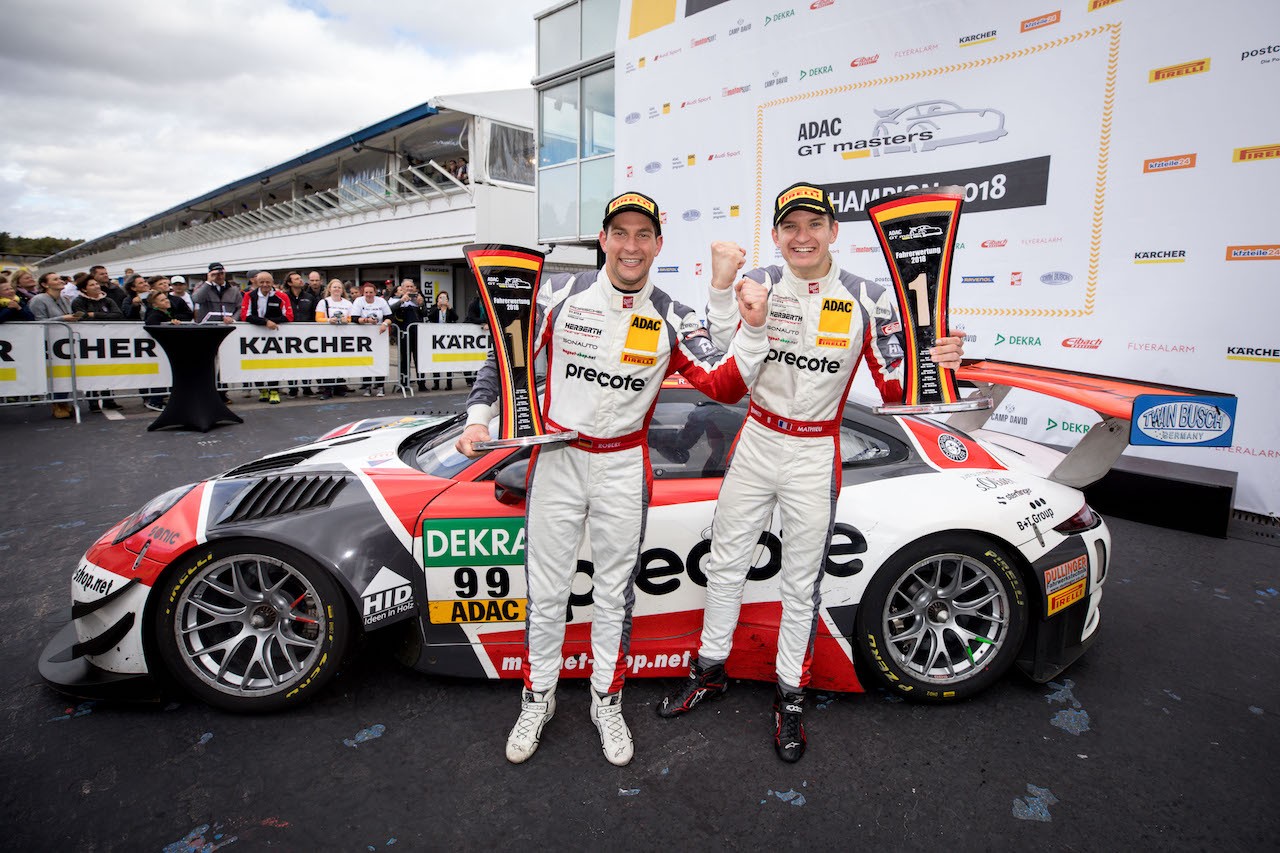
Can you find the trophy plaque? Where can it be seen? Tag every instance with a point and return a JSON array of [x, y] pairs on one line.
[[917, 233], [508, 278]]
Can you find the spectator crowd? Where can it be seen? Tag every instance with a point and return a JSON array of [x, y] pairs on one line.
[[162, 299]]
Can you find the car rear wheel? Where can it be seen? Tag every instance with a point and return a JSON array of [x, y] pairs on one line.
[[943, 618], [251, 626]]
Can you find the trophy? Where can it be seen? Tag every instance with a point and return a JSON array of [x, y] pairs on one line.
[[917, 232], [508, 278]]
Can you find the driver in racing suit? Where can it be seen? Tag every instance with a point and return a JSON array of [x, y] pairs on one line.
[[611, 337], [822, 323]]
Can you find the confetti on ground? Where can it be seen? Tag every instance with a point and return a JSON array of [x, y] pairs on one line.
[[1172, 695], [1072, 721], [199, 840], [1035, 806], [78, 711], [1254, 709], [793, 797], [366, 735], [628, 792], [205, 738]]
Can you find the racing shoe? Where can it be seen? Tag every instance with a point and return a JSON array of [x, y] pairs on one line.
[[615, 737], [705, 682], [788, 725], [536, 709]]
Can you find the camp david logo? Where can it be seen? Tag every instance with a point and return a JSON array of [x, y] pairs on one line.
[[952, 447], [387, 595]]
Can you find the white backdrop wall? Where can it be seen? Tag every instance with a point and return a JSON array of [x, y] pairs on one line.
[[1121, 161]]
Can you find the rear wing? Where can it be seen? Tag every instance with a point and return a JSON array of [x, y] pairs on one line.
[[1133, 412]]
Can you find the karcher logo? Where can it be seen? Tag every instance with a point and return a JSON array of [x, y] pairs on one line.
[[1185, 69], [1163, 256], [1258, 152]]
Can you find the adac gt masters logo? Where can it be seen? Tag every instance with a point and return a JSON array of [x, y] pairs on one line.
[[914, 128]]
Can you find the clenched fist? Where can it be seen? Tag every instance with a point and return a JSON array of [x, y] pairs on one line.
[[753, 301], [727, 258]]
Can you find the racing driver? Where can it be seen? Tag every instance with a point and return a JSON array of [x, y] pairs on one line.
[[611, 337], [822, 322]]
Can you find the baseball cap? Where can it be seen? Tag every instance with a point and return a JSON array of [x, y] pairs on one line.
[[177, 279], [802, 196], [216, 266], [638, 202]]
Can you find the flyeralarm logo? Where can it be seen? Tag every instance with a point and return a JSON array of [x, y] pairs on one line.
[[1169, 164], [1254, 253], [1257, 152], [1082, 343], [1160, 256], [1185, 69], [1041, 21]]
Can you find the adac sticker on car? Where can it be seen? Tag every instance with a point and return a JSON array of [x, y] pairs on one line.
[[474, 569]]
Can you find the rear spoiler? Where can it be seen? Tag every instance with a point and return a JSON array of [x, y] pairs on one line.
[[1133, 412]]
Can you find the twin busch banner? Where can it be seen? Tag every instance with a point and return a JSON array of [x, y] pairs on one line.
[[1115, 188]]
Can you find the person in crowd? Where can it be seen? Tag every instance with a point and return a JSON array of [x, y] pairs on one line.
[[95, 304], [52, 304], [333, 308], [475, 314], [442, 312], [315, 283], [598, 483], [304, 310], [11, 307], [24, 282], [353, 291], [134, 304], [372, 310], [115, 292], [407, 310], [183, 306], [266, 306], [462, 174], [217, 298], [72, 289], [159, 313]]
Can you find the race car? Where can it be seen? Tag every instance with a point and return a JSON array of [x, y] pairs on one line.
[[956, 555]]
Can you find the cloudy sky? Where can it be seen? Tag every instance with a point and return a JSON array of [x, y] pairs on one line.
[[117, 109]]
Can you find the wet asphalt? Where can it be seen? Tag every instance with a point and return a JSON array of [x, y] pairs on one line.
[[1164, 736]]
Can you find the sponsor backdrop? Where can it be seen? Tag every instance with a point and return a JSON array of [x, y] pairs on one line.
[[1118, 172]]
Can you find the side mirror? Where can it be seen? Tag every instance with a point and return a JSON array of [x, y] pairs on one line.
[[509, 486]]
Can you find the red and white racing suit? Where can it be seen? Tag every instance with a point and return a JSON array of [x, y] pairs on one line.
[[607, 354], [788, 452]]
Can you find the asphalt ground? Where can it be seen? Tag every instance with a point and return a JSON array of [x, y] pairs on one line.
[[1163, 737]]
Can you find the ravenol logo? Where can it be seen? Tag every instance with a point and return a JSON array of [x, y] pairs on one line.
[[1185, 69]]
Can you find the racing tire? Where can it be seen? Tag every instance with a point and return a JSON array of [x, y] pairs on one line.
[[943, 618], [251, 626]]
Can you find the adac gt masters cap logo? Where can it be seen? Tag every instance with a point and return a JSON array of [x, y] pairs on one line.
[[802, 196], [638, 202]]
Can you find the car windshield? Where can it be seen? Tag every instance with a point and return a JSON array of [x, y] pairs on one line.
[[431, 451]]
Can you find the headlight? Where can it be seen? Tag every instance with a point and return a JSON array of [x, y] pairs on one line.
[[152, 510]]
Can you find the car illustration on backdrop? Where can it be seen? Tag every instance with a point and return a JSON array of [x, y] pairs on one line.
[[928, 125], [248, 589]]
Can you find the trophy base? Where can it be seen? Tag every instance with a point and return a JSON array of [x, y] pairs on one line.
[[970, 405], [526, 440]]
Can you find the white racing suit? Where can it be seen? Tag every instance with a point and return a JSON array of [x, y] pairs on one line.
[[788, 451], [607, 354]]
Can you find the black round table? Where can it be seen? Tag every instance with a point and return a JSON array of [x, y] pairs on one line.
[[194, 401]]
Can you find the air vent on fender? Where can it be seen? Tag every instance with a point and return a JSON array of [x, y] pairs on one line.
[[274, 496], [273, 463]]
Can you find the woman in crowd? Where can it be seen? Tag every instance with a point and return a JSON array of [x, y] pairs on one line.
[[11, 307], [333, 308], [442, 313], [159, 313], [134, 304], [93, 304], [372, 310], [53, 304], [24, 282]]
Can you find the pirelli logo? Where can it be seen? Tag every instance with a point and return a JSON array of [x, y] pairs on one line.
[[1095, 5], [1066, 597], [802, 192], [833, 343], [1184, 69], [1168, 164], [1254, 253], [1255, 153], [642, 360]]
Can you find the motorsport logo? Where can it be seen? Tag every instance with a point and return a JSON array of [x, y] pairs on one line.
[[1160, 419], [815, 71], [1268, 252], [387, 595], [977, 38], [977, 279], [1256, 153], [904, 129], [1185, 69], [1067, 426], [861, 61], [1056, 278], [1265, 354], [1160, 256], [1169, 164], [1018, 340], [1082, 343], [729, 91], [699, 42], [777, 78], [1041, 21]]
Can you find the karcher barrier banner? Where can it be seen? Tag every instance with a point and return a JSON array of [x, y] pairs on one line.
[[22, 360], [451, 347], [305, 351], [1117, 165], [108, 357]]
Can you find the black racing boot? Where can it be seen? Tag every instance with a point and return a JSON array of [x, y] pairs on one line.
[[705, 682], [788, 725]]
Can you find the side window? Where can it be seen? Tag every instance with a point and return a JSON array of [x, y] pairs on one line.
[[690, 436], [859, 446]]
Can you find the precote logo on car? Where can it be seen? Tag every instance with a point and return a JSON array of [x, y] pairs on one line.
[[1184, 69]]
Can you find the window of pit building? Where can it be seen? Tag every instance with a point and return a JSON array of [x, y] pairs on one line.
[[576, 32], [511, 154]]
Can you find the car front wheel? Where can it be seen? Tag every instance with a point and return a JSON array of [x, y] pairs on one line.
[[251, 626], [943, 618]]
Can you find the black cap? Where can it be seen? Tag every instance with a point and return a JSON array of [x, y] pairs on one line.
[[216, 266], [639, 202], [802, 196]]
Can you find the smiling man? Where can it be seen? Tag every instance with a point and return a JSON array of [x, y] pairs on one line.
[[611, 337], [822, 323]]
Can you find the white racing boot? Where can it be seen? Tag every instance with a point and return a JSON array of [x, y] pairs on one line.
[[615, 737], [536, 709]]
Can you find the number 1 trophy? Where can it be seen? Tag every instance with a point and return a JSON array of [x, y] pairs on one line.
[[917, 232], [508, 277]]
